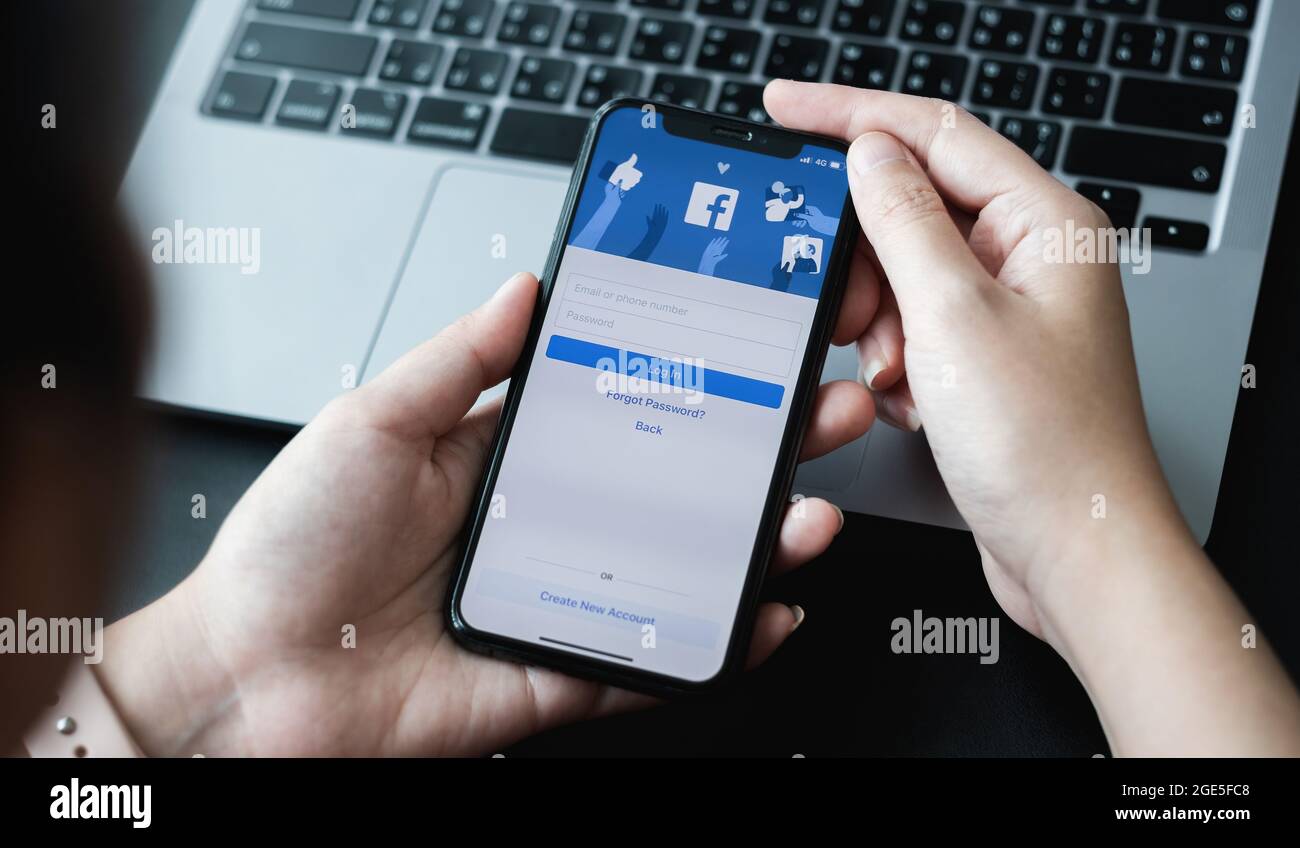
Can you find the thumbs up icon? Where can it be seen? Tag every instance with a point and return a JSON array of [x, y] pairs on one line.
[[626, 175]]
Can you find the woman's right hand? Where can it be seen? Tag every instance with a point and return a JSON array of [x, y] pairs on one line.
[[1020, 369]]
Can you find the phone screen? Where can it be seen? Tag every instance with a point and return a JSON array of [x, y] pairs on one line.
[[631, 489]]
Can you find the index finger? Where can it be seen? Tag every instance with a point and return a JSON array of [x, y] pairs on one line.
[[968, 162]]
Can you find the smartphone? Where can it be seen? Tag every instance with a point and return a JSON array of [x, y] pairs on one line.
[[648, 442]]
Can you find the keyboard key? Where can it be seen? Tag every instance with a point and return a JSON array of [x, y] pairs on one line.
[[242, 95], [1040, 139], [668, 5], [1120, 204], [796, 57], [691, 92], [541, 79], [1142, 47], [1228, 13], [397, 13], [865, 65], [1143, 158], [863, 17], [414, 62], [658, 40], [1079, 94], [308, 104], [728, 49], [1072, 38], [793, 12], [1179, 235], [935, 74], [1007, 84], [727, 8], [742, 100], [312, 49], [932, 21], [594, 32], [1005, 30], [476, 70], [528, 23], [1123, 7], [984, 117], [606, 82], [339, 10], [539, 135], [438, 120], [466, 18], [1176, 106], [1215, 56], [375, 113]]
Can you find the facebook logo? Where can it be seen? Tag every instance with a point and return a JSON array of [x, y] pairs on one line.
[[711, 206]]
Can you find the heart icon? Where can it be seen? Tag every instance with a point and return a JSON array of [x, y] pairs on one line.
[[723, 167]]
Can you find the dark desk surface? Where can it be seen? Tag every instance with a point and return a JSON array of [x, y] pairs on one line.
[[835, 688]]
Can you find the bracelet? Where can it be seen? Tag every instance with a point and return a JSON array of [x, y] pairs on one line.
[[81, 723]]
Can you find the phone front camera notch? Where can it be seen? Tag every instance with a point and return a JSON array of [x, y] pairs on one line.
[[734, 134]]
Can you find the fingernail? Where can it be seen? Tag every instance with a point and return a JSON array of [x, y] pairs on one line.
[[893, 411], [872, 150], [798, 616], [841, 514], [871, 371]]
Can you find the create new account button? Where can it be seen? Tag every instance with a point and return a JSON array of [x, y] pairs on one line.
[[597, 608], [564, 599]]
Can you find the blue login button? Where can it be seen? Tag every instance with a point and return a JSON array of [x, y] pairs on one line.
[[669, 372]]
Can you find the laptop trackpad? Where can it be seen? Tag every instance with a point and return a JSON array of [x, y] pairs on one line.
[[480, 226]]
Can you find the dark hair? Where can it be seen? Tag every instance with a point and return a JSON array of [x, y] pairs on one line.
[[77, 312]]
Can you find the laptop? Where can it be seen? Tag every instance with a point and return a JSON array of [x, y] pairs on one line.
[[371, 169]]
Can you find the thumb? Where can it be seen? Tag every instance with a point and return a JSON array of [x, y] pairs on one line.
[[631, 160], [920, 248], [426, 392]]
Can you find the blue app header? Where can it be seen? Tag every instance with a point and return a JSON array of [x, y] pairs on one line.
[[714, 210]]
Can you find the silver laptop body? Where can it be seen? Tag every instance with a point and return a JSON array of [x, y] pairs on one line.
[[366, 243]]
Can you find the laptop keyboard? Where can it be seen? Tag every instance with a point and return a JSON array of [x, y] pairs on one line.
[[1135, 91]]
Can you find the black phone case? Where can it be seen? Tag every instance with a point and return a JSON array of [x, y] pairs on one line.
[[787, 458]]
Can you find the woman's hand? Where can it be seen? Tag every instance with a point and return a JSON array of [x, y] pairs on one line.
[[1021, 370], [1020, 367], [355, 524]]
